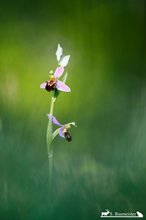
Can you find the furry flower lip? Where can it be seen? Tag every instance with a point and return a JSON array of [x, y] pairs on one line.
[[55, 83], [63, 130], [67, 135], [50, 84]]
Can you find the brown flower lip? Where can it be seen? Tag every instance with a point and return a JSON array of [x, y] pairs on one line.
[[51, 85], [67, 136]]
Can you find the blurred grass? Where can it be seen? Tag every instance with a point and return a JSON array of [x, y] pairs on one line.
[[104, 166]]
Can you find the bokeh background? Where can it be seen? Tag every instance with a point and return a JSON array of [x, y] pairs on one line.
[[104, 166]]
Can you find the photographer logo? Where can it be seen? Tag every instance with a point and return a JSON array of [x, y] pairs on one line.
[[108, 214]]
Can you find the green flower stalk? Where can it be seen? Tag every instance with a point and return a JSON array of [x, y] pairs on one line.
[[55, 86], [49, 140]]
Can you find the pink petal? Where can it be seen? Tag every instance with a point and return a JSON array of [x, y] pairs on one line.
[[62, 86], [43, 85], [61, 132], [54, 120], [59, 71]]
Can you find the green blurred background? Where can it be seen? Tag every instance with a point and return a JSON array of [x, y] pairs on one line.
[[104, 166]]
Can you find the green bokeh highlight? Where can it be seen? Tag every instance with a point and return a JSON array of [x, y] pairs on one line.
[[104, 166]]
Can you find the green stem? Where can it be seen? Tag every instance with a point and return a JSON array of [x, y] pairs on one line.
[[49, 140]]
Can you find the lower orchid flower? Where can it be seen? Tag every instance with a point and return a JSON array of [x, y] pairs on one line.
[[63, 130], [55, 83]]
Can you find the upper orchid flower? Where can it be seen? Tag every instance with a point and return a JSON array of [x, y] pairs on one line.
[[54, 82], [63, 130]]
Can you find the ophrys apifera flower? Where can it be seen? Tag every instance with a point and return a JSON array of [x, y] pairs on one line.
[[63, 130], [54, 82]]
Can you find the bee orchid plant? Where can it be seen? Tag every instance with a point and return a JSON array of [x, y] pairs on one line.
[[55, 86]]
